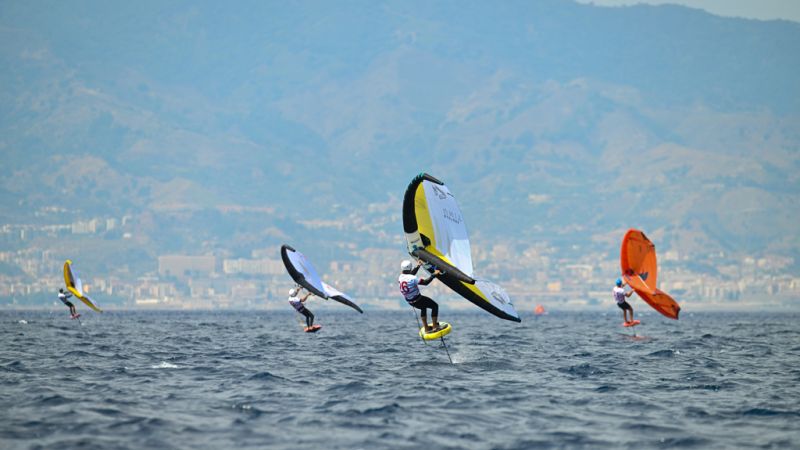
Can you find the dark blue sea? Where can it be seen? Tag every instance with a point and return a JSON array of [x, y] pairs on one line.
[[225, 380]]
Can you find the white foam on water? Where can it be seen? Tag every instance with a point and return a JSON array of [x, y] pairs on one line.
[[164, 365], [463, 355]]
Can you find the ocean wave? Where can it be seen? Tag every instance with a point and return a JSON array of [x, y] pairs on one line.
[[584, 370], [266, 376], [164, 365], [255, 381]]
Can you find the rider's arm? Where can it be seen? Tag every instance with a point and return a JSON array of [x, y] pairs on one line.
[[427, 281]]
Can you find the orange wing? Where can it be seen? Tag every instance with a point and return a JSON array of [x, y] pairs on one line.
[[640, 269]]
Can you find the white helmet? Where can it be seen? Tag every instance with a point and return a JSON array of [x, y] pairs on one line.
[[292, 292], [405, 266]]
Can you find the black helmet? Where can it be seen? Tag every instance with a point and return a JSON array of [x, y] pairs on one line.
[[61, 290]]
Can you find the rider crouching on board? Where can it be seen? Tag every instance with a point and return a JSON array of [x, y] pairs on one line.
[[620, 295], [63, 297], [297, 304], [409, 288]]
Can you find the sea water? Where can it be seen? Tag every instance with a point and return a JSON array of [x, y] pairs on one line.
[[217, 380]]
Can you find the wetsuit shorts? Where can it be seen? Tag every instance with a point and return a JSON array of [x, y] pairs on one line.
[[68, 303], [625, 305], [422, 303]]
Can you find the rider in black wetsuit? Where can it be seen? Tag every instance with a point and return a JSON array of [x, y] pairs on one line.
[[63, 296], [409, 287], [299, 305]]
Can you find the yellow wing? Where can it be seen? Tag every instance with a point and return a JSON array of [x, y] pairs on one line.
[[74, 286]]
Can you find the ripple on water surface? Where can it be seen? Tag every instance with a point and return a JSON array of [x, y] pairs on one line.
[[239, 380]]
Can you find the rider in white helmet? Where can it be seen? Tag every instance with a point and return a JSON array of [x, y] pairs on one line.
[[297, 304], [409, 287], [619, 296]]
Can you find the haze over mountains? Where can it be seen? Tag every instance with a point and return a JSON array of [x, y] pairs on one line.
[[220, 127]]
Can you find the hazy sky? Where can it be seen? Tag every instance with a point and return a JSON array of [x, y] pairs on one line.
[[751, 9]]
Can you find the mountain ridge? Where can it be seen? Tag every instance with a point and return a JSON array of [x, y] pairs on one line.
[[550, 121]]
